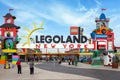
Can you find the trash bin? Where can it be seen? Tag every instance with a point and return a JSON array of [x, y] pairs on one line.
[[89, 62], [115, 62], [114, 65]]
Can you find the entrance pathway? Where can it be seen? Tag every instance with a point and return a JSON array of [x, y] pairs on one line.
[[40, 74]]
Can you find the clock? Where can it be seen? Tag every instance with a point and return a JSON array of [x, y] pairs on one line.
[[9, 21]]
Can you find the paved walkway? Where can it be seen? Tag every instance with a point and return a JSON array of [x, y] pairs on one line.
[[88, 66], [40, 74], [98, 72]]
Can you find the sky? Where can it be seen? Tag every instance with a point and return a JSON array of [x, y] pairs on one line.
[[59, 15]]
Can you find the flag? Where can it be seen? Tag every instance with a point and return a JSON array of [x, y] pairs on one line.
[[10, 9], [103, 9]]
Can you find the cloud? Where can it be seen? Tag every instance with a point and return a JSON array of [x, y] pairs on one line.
[[115, 25], [98, 2], [83, 8], [68, 16], [23, 16], [27, 11]]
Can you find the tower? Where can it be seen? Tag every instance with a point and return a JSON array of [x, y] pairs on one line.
[[103, 39], [103, 36], [9, 35]]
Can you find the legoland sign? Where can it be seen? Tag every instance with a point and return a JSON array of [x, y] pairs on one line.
[[76, 39], [60, 39]]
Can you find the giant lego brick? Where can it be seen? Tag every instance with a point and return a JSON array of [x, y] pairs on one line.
[[2, 61], [15, 59]]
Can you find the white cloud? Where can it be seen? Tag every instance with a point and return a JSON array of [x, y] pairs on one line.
[[67, 16], [29, 12], [98, 3], [83, 8], [115, 25], [23, 16]]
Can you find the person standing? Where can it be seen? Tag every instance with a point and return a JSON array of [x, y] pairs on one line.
[[69, 62], [31, 67], [54, 61], [76, 61], [19, 66], [73, 61]]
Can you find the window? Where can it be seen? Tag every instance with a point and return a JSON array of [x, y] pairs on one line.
[[8, 34], [109, 36]]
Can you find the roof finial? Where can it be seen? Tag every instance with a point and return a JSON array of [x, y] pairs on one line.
[[10, 9], [103, 9]]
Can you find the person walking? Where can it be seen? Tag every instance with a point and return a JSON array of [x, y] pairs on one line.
[[19, 66], [31, 67]]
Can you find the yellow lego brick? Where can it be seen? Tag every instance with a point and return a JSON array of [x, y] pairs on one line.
[[9, 50], [13, 62]]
